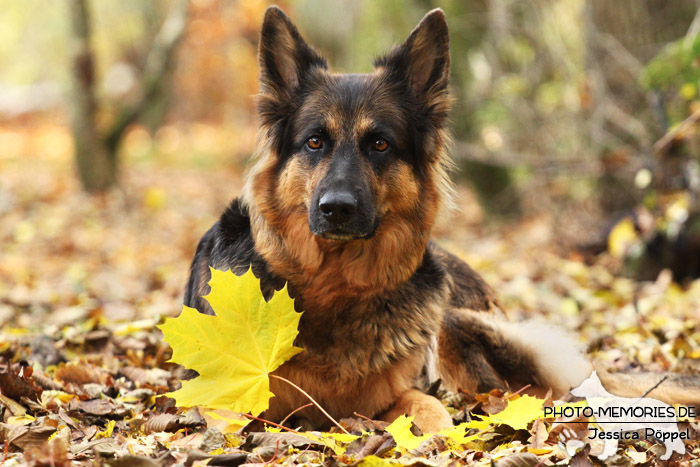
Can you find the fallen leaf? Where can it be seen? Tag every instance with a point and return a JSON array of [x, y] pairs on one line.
[[622, 236], [16, 387], [372, 445], [400, 429], [518, 413], [152, 376], [519, 460], [25, 437], [637, 457], [236, 350], [81, 373]]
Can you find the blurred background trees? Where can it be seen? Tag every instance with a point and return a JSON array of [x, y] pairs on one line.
[[96, 149], [585, 111]]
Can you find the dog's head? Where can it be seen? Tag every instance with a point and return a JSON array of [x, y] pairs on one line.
[[351, 154]]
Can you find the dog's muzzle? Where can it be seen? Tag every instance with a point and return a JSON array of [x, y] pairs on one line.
[[339, 215]]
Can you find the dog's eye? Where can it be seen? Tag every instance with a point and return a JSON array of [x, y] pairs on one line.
[[314, 143], [380, 145]]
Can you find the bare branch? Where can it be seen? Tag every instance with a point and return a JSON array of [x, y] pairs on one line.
[[693, 31], [681, 128], [158, 63], [626, 122], [510, 159]]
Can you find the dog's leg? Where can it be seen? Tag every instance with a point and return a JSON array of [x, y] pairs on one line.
[[428, 412]]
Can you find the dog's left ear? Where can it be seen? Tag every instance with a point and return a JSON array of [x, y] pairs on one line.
[[423, 61]]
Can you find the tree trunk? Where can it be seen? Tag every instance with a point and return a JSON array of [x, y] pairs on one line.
[[96, 151], [97, 168]]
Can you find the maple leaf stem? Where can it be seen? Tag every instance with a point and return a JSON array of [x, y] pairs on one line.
[[295, 411], [313, 401], [364, 417], [527, 386], [253, 417]]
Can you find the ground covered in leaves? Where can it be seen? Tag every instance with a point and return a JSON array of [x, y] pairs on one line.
[[85, 280]]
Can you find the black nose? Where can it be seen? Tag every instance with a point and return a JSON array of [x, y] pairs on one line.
[[338, 206]]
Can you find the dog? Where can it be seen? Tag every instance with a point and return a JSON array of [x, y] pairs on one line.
[[350, 173]]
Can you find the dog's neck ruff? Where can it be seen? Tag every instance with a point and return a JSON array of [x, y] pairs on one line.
[[329, 274]]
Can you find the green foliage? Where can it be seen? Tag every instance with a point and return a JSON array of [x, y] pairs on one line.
[[675, 72], [676, 66]]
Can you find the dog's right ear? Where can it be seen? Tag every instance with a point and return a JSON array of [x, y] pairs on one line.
[[423, 60], [283, 55]]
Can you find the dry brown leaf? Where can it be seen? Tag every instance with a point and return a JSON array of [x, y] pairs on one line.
[[152, 376], [162, 422], [524, 459], [52, 453], [16, 387], [25, 436], [539, 434], [81, 373], [494, 404]]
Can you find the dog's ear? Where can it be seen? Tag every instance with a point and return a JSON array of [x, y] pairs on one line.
[[423, 61], [283, 55]]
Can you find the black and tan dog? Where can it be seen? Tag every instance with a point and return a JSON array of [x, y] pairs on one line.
[[350, 175]]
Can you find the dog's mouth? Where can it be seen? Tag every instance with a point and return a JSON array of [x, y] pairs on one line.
[[342, 236], [343, 233]]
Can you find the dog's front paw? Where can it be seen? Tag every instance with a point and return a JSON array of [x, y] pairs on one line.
[[428, 412]]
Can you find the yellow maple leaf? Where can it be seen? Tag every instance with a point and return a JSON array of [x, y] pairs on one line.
[[225, 420], [336, 441], [236, 350], [518, 413], [374, 461], [400, 429], [458, 434]]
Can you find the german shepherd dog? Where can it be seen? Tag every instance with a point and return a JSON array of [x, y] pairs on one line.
[[350, 173]]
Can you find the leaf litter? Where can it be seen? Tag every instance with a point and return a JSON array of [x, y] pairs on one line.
[[84, 369]]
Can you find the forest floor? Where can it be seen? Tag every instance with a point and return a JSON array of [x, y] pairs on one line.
[[84, 280]]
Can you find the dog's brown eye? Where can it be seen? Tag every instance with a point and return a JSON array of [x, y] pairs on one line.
[[380, 145], [314, 143]]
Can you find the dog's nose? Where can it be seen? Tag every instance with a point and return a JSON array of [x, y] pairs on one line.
[[337, 206]]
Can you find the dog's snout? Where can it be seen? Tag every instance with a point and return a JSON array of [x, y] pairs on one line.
[[338, 206]]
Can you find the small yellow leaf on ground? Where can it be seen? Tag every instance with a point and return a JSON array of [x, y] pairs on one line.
[[154, 197], [621, 237], [335, 441], [225, 420], [374, 461], [109, 429], [519, 413], [400, 429]]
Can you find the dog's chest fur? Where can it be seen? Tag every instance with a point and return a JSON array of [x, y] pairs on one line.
[[378, 344]]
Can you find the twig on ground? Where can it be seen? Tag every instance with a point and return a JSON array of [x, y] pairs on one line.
[[253, 417], [527, 386], [313, 401], [295, 411], [654, 387], [364, 417]]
